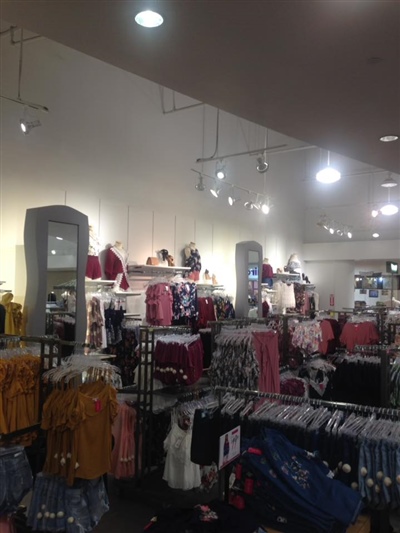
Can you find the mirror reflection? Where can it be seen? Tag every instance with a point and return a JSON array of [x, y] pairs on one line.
[[253, 281], [62, 262]]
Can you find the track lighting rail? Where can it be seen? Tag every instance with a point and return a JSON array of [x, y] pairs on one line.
[[174, 108], [278, 149]]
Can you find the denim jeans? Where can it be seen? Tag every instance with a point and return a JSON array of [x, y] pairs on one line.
[[15, 478]]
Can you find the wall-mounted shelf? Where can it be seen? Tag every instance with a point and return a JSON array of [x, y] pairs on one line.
[[99, 282], [210, 286], [126, 293], [153, 270]]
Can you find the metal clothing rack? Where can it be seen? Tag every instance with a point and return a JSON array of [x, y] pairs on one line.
[[144, 392], [351, 407]]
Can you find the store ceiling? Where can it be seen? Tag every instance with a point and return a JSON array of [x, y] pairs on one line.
[[325, 72]]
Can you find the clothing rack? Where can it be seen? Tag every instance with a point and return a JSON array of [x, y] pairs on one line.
[[355, 408]]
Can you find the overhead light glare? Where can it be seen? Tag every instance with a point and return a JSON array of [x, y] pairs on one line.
[[328, 175], [265, 208], [375, 235], [389, 138], [53, 252], [389, 210], [149, 19], [220, 170], [59, 238], [349, 235], [215, 191], [262, 165]]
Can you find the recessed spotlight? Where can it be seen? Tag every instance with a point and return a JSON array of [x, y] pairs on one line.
[[375, 235], [388, 138], [149, 19]]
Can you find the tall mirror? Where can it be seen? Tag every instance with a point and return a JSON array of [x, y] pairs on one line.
[[248, 260], [56, 242], [62, 263]]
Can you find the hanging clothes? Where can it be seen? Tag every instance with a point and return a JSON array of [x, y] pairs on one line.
[[123, 456], [362, 333], [184, 305], [307, 336], [178, 359], [206, 311], [16, 478], [159, 299]]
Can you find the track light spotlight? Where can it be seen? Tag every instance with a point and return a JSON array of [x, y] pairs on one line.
[[200, 185], [220, 170], [249, 205], [215, 190], [349, 235], [265, 207], [262, 165], [331, 231], [231, 198], [28, 125], [374, 213]]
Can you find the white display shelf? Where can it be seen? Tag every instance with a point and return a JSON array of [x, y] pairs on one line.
[[100, 282], [210, 286], [151, 270]]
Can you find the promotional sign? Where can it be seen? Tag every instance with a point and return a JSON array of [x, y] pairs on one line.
[[332, 300], [229, 447]]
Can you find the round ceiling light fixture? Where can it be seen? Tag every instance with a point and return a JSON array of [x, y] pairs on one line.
[[375, 235], [389, 210], [149, 19], [389, 182], [388, 138]]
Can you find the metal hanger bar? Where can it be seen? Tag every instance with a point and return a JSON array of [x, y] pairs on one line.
[[394, 413]]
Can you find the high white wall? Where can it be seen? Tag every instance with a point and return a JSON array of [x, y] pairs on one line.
[[332, 278], [107, 150]]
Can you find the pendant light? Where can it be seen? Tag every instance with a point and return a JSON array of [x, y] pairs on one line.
[[389, 209], [328, 174]]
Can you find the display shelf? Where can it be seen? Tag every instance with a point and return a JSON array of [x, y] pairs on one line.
[[100, 282], [126, 293], [151, 270], [210, 286]]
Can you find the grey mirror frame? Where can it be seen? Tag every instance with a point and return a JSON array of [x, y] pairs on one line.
[[242, 277], [35, 240]]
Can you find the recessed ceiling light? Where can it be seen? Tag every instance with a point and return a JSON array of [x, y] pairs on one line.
[[389, 138], [149, 19], [375, 235]]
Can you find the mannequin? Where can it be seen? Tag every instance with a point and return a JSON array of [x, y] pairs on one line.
[[267, 273], [193, 260], [13, 324], [93, 268], [116, 265], [293, 265]]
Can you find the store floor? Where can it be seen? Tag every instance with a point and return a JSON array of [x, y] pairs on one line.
[[131, 509]]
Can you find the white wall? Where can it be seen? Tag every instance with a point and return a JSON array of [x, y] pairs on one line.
[[107, 150], [332, 277]]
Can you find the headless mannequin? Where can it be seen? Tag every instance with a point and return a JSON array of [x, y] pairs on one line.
[[267, 273], [193, 260], [116, 265]]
